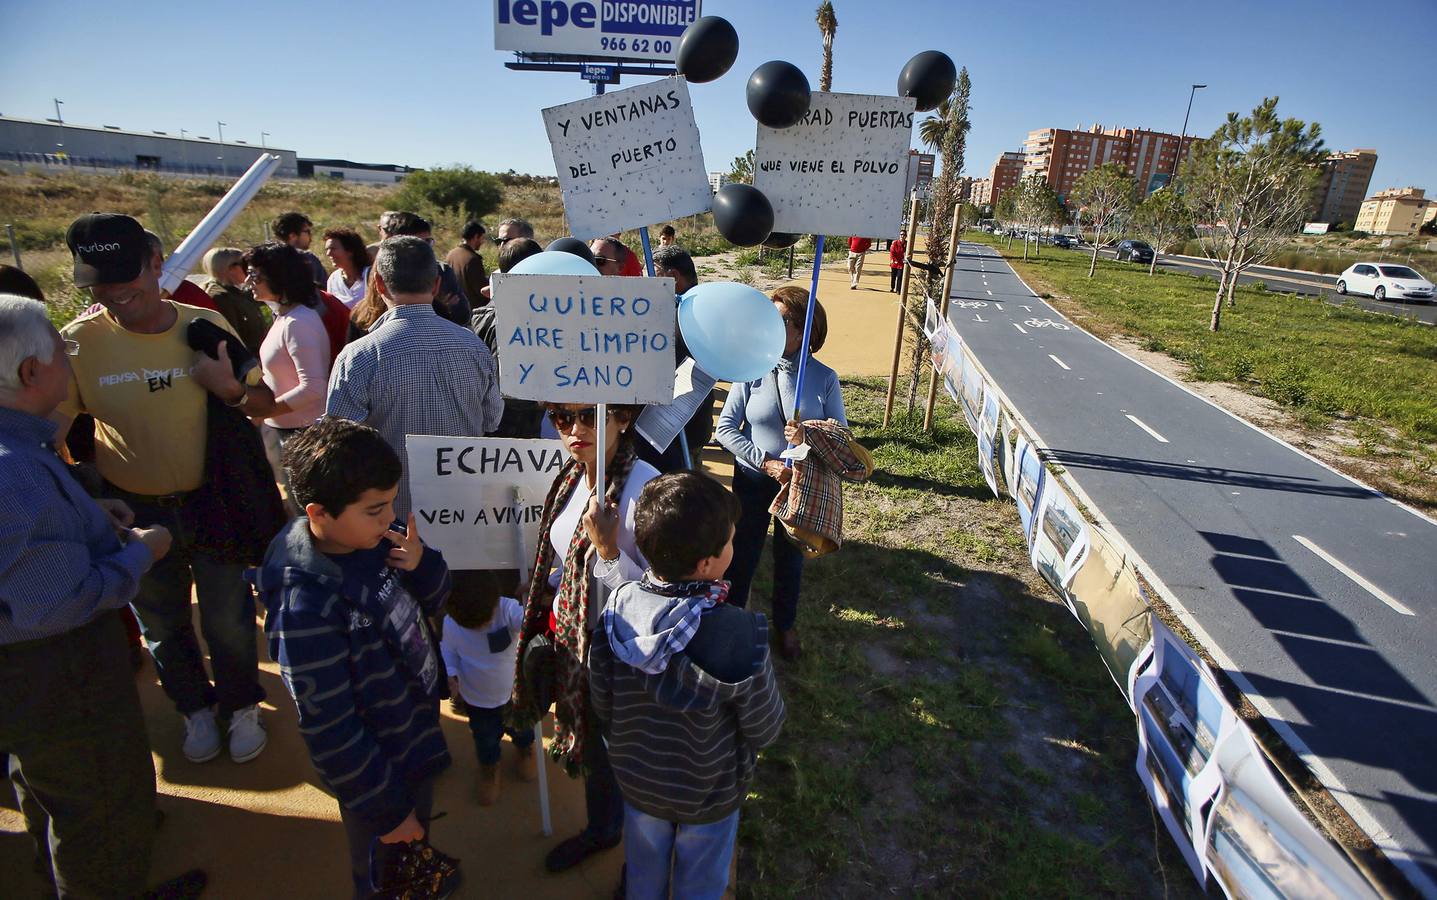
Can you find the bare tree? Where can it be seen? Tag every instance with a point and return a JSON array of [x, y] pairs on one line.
[[827, 26], [1161, 219], [1248, 188], [1036, 205], [1106, 194]]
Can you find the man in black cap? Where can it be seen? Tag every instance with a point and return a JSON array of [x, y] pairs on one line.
[[135, 373]]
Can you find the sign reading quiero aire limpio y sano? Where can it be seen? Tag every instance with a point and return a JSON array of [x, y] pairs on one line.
[[629, 158], [641, 30], [585, 338], [479, 500], [841, 170]]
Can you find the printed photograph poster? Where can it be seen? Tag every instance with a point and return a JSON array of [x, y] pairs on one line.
[[1009, 431], [842, 169], [953, 363], [938, 343], [479, 500], [629, 158], [1031, 474], [987, 433], [1061, 538], [972, 393], [585, 338]]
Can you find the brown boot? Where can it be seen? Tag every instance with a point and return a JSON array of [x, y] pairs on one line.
[[487, 790], [526, 766], [789, 646]]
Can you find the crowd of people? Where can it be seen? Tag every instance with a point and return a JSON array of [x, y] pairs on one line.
[[245, 440]]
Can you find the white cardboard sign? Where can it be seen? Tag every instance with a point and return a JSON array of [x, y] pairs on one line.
[[586, 338], [841, 170], [479, 500], [628, 158]]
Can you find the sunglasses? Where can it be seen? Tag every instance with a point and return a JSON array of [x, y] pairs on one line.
[[564, 419]]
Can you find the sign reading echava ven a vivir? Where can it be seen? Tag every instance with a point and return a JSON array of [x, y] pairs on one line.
[[842, 169], [640, 30], [585, 338], [629, 158]]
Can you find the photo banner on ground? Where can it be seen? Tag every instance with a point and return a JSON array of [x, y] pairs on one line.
[[629, 158], [585, 338], [479, 500], [632, 30], [842, 169]]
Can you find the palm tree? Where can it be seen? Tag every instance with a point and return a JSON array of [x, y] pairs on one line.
[[827, 25], [932, 129]]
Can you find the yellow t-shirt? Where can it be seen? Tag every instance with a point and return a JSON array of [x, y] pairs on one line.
[[149, 414]]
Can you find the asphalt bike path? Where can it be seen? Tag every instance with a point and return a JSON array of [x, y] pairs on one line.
[[1315, 593]]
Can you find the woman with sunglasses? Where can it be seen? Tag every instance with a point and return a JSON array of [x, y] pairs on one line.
[[756, 426], [583, 544]]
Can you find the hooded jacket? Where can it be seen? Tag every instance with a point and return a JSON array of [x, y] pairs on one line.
[[371, 728], [683, 742]]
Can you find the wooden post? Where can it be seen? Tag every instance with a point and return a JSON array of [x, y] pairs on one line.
[[909, 237], [943, 312]]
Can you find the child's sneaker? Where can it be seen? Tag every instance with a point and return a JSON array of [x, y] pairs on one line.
[[526, 767], [202, 736], [487, 786], [247, 734]]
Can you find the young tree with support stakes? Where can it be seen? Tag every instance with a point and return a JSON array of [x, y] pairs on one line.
[[1249, 188], [1160, 220], [1037, 206], [1106, 195]]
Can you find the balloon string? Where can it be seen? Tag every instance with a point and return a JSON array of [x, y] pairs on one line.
[[648, 250], [807, 331]]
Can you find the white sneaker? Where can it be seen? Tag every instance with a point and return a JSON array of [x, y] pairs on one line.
[[247, 734], [202, 736]]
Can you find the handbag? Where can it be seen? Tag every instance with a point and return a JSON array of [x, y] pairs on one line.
[[413, 871]]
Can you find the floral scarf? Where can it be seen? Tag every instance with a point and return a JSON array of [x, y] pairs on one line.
[[570, 607]]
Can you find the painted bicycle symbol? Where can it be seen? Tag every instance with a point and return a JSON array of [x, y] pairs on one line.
[[1045, 323], [970, 304]]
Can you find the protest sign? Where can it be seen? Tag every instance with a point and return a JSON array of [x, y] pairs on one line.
[[987, 433], [585, 338], [842, 169], [628, 158], [659, 424], [479, 500]]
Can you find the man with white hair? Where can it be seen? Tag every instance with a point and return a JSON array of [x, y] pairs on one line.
[[70, 715]]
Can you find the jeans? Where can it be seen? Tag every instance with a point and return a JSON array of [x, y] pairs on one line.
[[895, 279], [364, 835], [755, 492], [487, 726], [227, 619], [79, 757], [698, 856]]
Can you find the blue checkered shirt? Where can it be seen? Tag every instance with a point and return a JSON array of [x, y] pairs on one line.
[[415, 373], [60, 562]]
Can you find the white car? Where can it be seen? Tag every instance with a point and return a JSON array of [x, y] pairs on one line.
[[1384, 280]]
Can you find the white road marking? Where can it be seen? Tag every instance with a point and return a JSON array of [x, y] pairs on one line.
[[978, 318], [999, 305], [1059, 362], [1145, 427], [1363, 583], [989, 293], [1020, 327], [1028, 308]]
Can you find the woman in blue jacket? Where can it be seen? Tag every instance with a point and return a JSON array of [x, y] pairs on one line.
[[757, 424]]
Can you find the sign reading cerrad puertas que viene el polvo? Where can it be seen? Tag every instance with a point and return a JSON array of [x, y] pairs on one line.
[[585, 338], [642, 30], [629, 158], [841, 170]]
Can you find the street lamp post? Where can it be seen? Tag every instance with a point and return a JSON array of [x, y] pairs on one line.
[[1177, 157], [262, 136], [223, 171], [184, 150], [59, 103]]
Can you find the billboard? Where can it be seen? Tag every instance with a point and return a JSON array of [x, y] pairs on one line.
[[641, 30]]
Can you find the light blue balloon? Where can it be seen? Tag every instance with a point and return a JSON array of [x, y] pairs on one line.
[[733, 331], [553, 262]]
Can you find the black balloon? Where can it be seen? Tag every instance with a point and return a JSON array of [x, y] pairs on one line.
[[928, 78], [707, 49], [778, 94], [573, 245], [781, 239], [743, 214]]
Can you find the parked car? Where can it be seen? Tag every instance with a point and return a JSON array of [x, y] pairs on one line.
[[1383, 280], [1063, 240], [1134, 251]]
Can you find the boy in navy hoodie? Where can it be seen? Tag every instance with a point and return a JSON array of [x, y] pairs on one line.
[[347, 591], [683, 685]]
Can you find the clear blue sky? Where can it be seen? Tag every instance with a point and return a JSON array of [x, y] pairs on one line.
[[419, 82]]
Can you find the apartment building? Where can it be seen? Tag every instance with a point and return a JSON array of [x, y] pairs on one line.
[[1343, 185], [1393, 211], [1007, 169], [1060, 156], [981, 192]]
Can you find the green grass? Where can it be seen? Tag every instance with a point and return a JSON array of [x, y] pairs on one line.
[[1319, 359], [932, 722]]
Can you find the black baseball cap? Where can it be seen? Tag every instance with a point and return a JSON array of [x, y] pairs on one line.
[[109, 248]]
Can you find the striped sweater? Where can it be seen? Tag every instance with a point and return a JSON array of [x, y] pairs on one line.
[[371, 728], [683, 742]]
